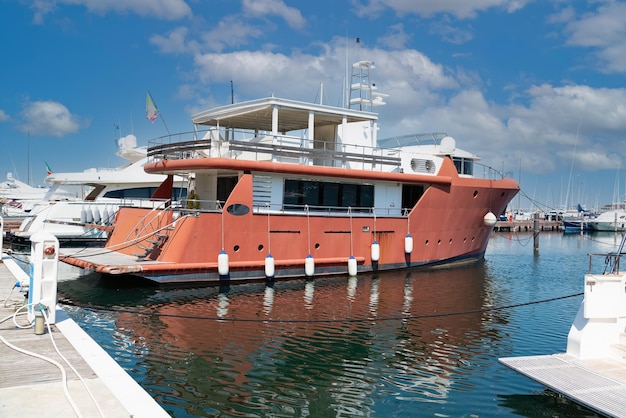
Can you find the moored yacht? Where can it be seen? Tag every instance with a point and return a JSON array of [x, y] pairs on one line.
[[101, 191], [284, 188], [611, 220]]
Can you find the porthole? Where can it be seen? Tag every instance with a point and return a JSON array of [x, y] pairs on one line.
[[236, 248], [475, 193], [317, 245], [260, 247], [238, 209]]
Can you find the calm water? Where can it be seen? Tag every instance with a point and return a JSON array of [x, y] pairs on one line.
[[409, 344]]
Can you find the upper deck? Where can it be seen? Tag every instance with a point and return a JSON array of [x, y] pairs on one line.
[[287, 131]]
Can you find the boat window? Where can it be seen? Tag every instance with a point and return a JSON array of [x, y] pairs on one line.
[[464, 165], [225, 186], [320, 196], [141, 193], [411, 193]]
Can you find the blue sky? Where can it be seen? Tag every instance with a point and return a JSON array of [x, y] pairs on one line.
[[536, 88]]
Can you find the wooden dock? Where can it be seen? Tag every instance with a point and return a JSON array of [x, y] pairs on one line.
[[32, 385], [527, 226]]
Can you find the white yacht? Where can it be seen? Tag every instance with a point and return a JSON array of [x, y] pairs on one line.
[[87, 220]]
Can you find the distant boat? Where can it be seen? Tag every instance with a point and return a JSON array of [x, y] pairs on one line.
[[612, 220], [18, 198], [291, 189], [579, 221], [88, 220]]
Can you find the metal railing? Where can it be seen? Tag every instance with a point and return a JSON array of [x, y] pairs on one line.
[[266, 147]]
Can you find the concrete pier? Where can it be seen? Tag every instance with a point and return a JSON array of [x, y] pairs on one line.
[[32, 386]]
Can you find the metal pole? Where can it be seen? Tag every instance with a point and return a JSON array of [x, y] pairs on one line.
[[536, 232]]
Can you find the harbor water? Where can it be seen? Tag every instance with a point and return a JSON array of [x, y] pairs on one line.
[[401, 344]]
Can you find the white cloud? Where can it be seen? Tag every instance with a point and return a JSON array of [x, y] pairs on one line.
[[395, 38], [161, 9], [450, 32], [3, 116], [261, 8], [405, 74], [604, 30], [230, 32], [462, 9], [175, 42], [48, 118]]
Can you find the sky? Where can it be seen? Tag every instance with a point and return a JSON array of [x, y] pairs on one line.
[[534, 87]]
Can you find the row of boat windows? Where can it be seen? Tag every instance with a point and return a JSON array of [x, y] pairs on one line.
[[143, 193], [318, 195], [298, 194]]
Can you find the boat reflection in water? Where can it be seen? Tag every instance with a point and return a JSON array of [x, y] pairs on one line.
[[324, 347]]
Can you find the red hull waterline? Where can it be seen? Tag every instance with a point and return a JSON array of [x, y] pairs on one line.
[[446, 226]]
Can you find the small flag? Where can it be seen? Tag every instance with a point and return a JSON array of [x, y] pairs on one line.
[[48, 169], [151, 110]]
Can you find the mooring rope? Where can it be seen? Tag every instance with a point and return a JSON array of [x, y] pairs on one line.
[[351, 320]]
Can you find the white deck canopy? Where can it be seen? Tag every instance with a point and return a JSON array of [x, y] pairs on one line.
[[287, 115]]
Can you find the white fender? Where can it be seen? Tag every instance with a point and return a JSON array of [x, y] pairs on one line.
[[375, 251], [408, 244], [309, 266], [352, 270], [269, 266], [222, 263], [490, 219]]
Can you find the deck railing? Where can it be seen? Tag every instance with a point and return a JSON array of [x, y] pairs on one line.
[[282, 148]]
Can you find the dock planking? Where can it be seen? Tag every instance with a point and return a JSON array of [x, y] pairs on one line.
[[31, 386]]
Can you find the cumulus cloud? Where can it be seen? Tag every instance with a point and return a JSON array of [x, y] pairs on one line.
[[161, 9], [396, 38], [405, 74], [261, 8], [461, 9], [230, 32], [48, 118], [603, 30], [175, 42]]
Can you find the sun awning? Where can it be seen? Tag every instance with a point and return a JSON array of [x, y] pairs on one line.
[[292, 115]]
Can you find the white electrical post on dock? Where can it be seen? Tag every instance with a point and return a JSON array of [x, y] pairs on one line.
[[44, 254]]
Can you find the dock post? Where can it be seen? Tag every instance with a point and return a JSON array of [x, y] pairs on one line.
[[44, 255], [536, 232]]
